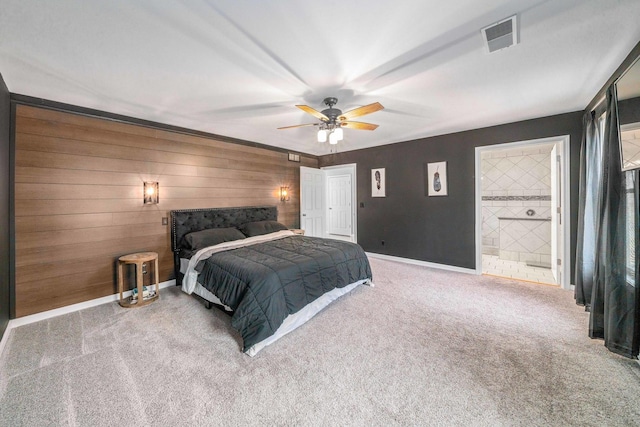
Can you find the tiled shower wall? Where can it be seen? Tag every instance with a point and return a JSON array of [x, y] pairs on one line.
[[514, 182]]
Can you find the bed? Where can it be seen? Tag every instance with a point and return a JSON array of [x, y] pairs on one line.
[[270, 280]]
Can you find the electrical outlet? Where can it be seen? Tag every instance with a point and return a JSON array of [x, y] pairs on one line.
[[165, 220]]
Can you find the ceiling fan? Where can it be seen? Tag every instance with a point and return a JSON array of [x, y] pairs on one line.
[[333, 119]]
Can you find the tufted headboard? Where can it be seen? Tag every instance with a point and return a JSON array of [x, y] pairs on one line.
[[188, 220]]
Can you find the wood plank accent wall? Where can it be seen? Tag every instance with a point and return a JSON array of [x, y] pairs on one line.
[[78, 197]]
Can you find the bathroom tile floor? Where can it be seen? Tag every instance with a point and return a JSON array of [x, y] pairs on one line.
[[495, 266]]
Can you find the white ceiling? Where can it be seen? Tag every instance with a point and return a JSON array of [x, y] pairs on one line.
[[238, 67]]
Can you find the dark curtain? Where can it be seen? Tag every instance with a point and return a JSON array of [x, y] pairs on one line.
[[589, 207], [608, 288]]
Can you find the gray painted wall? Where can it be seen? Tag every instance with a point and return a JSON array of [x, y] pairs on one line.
[[5, 188], [441, 229]]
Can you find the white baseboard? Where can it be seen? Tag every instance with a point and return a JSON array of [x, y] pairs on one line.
[[14, 323], [423, 263]]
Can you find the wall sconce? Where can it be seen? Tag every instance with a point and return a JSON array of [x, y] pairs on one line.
[[151, 190], [284, 194]]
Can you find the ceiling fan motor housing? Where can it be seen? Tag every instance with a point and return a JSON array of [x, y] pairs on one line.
[[331, 113]]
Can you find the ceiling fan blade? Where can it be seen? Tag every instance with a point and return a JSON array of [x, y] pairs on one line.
[[299, 126], [361, 111], [358, 125], [314, 113]]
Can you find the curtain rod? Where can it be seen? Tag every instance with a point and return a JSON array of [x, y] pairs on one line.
[[600, 101]]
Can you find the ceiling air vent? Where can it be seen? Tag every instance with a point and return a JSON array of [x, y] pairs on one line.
[[501, 35]]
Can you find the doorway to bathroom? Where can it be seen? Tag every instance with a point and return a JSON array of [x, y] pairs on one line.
[[521, 209]]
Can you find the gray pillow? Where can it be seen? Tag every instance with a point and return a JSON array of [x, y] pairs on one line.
[[212, 236], [259, 228]]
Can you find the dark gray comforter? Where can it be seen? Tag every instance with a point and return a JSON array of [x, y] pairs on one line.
[[265, 282]]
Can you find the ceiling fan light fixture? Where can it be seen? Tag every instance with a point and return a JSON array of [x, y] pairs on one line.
[[339, 133], [332, 120]]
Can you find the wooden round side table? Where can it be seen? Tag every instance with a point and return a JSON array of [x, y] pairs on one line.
[[138, 259]]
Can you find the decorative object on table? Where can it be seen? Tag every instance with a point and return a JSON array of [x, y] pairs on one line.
[[436, 179], [378, 183], [146, 294]]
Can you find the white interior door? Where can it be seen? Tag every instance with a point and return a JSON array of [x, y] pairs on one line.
[[312, 197], [339, 192], [556, 215]]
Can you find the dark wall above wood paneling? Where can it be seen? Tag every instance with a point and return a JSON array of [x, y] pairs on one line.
[[78, 197], [5, 205], [439, 229]]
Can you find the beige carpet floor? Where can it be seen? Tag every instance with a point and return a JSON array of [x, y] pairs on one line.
[[422, 347]]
